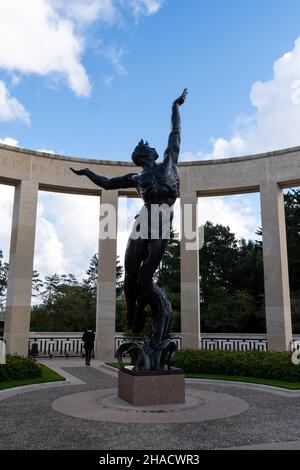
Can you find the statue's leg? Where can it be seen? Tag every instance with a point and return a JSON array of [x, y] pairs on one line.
[[155, 252], [134, 256], [162, 314]]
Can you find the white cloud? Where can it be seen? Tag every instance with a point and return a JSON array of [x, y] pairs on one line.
[[49, 256], [37, 40], [9, 141], [237, 212], [190, 156], [115, 54], [6, 207], [275, 124], [48, 37], [128, 208], [108, 80], [87, 11], [144, 7], [68, 224], [46, 151], [10, 108], [15, 79], [66, 232]]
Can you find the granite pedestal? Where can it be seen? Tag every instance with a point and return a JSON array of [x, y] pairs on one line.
[[148, 388]]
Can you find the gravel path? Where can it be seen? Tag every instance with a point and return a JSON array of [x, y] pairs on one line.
[[29, 422]]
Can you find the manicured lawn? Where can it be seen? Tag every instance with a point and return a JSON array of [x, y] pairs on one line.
[[235, 378], [48, 375]]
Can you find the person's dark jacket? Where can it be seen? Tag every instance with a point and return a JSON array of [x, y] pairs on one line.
[[88, 338]]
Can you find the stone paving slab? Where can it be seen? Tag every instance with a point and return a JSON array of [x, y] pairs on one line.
[[104, 405]]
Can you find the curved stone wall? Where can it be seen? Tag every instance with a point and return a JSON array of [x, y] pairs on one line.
[[30, 171], [222, 176]]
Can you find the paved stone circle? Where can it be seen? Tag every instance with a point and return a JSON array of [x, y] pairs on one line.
[[28, 421], [104, 405]]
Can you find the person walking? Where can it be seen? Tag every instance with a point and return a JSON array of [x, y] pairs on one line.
[[88, 339]]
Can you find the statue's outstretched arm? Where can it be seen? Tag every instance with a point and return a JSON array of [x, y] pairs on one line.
[[120, 182], [172, 151]]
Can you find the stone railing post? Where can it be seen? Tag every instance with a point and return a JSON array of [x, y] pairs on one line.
[[276, 273]]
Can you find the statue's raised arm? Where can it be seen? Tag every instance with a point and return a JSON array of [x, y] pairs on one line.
[[172, 151]]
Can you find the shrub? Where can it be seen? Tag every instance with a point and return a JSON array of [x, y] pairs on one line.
[[258, 364], [17, 367]]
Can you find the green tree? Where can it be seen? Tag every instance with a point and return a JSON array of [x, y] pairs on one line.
[[66, 306], [292, 216], [168, 274], [219, 257], [232, 287], [119, 278], [248, 273], [121, 315], [3, 283], [3, 289], [168, 277], [90, 282], [70, 311], [49, 293], [37, 284]]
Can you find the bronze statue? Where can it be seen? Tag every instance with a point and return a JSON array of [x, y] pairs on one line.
[[157, 184]]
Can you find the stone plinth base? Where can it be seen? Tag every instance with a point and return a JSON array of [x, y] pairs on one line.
[[148, 388]]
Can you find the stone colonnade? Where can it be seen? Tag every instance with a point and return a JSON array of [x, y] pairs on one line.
[[268, 174]]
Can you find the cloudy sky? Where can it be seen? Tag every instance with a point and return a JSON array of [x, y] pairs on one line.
[[91, 77]]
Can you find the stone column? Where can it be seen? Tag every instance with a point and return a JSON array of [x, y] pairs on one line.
[[18, 306], [106, 295], [190, 307], [277, 293]]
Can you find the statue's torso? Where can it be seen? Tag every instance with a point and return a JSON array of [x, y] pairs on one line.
[[160, 185]]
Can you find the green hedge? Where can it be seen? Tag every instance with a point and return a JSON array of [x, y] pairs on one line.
[[17, 367], [258, 364]]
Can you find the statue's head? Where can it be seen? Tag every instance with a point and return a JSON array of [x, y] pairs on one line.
[[144, 154]]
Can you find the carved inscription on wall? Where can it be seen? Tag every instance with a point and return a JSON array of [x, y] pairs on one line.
[[10, 162]]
